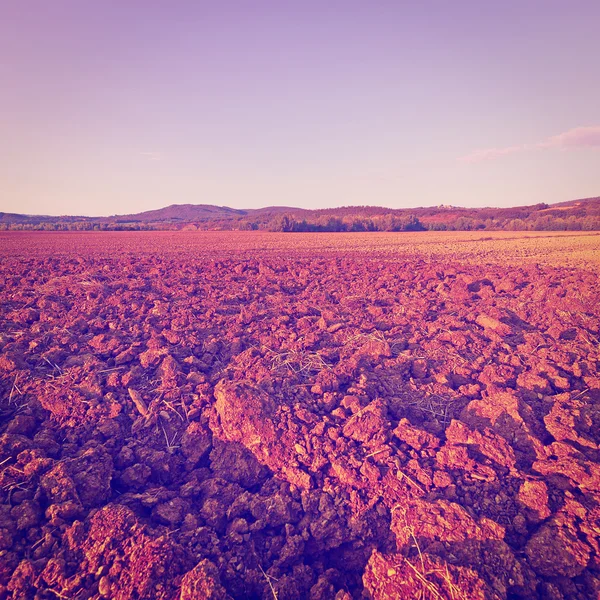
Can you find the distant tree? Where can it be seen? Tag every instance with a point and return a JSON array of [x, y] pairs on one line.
[[413, 224], [437, 226], [516, 225], [281, 223], [357, 225], [465, 224]]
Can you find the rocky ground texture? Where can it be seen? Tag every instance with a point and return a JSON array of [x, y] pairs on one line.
[[297, 426]]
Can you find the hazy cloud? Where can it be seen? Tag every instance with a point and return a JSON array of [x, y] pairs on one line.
[[579, 137], [151, 155]]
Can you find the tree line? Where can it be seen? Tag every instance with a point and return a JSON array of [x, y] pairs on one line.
[[289, 223]]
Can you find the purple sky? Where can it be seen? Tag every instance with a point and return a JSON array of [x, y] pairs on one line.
[[118, 106]]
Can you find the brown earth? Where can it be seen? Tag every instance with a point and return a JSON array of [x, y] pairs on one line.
[[188, 416]]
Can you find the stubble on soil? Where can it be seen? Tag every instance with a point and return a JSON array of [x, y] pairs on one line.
[[189, 415]]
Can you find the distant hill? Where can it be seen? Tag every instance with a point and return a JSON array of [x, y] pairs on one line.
[[582, 214], [180, 212]]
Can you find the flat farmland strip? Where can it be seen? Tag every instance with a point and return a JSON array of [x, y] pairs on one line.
[[574, 249]]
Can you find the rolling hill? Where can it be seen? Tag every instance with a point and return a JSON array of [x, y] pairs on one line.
[[571, 215]]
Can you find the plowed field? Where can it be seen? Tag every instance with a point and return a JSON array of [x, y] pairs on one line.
[[223, 415]]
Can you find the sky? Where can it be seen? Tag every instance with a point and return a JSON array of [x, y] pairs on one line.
[[119, 106]]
